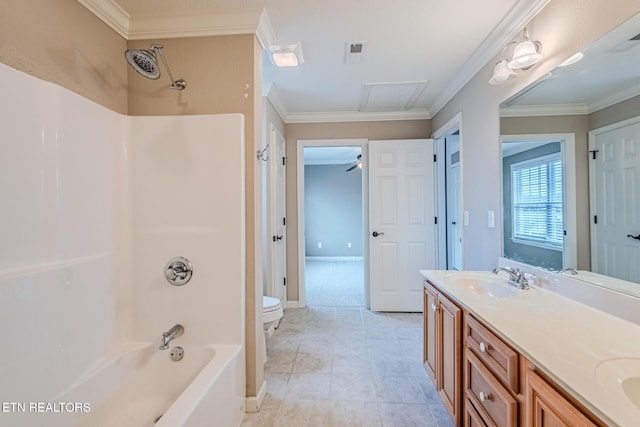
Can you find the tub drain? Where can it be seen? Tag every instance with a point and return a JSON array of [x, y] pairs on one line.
[[176, 353]]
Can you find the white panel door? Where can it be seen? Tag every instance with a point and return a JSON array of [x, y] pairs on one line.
[[276, 217], [402, 236], [454, 229], [617, 205]]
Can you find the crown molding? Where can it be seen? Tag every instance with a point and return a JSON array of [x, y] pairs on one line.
[[519, 15], [265, 33], [613, 99], [273, 95], [110, 13], [274, 98], [206, 24], [545, 110], [356, 116], [249, 21], [569, 109]]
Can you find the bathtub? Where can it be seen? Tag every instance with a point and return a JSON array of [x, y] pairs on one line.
[[139, 385]]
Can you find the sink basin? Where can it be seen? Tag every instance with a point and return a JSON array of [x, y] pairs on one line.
[[487, 284], [622, 376]]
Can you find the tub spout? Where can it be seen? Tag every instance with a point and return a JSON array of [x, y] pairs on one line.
[[172, 333]]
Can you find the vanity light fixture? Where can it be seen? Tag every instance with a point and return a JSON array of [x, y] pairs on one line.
[[525, 54], [287, 54], [501, 73], [572, 59]]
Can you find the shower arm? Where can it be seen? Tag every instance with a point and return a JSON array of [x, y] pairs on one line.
[[179, 84]]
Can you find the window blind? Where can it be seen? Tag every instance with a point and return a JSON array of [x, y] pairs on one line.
[[537, 201]]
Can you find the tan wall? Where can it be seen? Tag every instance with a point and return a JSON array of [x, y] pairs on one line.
[[402, 129], [63, 43], [578, 125], [563, 27], [218, 71], [616, 113]]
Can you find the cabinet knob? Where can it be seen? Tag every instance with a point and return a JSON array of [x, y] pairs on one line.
[[434, 307], [484, 396], [484, 347]]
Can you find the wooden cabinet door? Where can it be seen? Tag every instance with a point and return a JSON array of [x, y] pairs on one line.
[[430, 332], [548, 408], [450, 317]]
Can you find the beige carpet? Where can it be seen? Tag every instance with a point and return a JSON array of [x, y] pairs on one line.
[[334, 283]]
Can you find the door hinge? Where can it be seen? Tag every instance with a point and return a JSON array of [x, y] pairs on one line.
[[594, 153], [284, 281], [435, 220], [435, 157], [595, 219], [284, 221], [284, 161]]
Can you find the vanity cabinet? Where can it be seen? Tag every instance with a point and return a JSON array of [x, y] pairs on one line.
[[547, 407], [491, 375], [485, 382], [443, 348]]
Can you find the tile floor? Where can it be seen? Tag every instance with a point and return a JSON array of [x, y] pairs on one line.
[[334, 366]]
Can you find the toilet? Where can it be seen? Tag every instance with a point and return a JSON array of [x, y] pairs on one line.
[[271, 315]]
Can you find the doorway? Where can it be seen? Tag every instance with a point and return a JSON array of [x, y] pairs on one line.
[[449, 188], [331, 201]]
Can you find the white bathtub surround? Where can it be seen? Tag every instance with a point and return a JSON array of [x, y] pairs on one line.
[[566, 339], [188, 200], [94, 204], [62, 282]]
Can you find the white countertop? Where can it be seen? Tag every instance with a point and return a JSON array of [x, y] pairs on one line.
[[566, 339]]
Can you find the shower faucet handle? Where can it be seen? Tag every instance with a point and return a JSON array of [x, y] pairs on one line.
[[178, 271]]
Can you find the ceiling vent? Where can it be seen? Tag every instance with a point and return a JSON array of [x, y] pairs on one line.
[[354, 52]]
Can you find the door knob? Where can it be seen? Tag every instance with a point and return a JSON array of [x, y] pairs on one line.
[[634, 237], [376, 234], [275, 238]]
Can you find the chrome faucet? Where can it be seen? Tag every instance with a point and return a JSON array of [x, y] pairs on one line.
[[516, 277], [172, 333], [568, 270]]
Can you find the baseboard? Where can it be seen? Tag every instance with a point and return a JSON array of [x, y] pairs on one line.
[[294, 304], [253, 403], [334, 258]]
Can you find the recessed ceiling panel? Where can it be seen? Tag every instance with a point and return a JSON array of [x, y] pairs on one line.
[[391, 96]]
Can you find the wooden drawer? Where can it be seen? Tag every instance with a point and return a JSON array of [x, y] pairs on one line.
[[471, 416], [491, 399], [498, 357]]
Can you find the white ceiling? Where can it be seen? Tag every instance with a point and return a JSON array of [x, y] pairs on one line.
[[423, 51]]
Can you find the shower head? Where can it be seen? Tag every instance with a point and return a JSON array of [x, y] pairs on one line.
[[145, 62]]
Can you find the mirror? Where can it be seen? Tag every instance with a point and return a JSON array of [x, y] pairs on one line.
[[570, 169]]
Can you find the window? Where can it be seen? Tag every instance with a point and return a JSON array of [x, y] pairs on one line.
[[537, 201]]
